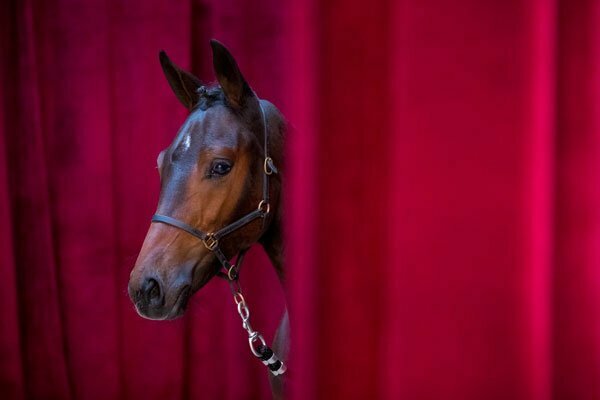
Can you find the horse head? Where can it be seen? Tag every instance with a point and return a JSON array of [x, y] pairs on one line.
[[210, 177]]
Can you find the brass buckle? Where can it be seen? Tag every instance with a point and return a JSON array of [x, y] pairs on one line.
[[267, 165], [210, 242], [264, 207]]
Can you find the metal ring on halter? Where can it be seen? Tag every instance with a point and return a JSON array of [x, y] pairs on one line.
[[210, 242], [267, 166], [253, 339], [232, 274], [264, 207]]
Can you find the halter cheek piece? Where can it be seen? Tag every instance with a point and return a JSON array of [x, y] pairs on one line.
[[230, 271]]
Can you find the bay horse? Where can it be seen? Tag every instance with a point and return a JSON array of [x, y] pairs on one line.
[[220, 194]]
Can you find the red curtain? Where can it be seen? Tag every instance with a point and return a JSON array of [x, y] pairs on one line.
[[443, 196], [85, 111], [446, 233]]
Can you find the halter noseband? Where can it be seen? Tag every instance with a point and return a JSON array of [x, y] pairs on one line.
[[230, 271]]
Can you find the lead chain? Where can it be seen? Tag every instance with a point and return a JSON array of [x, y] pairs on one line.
[[257, 343]]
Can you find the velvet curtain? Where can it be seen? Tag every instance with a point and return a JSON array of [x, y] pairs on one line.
[[442, 198], [453, 186], [85, 111]]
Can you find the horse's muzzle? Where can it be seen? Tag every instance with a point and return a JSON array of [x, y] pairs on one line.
[[151, 300]]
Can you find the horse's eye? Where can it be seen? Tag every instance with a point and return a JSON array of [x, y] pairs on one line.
[[220, 168]]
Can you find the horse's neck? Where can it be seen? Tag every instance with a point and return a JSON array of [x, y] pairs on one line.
[[272, 242]]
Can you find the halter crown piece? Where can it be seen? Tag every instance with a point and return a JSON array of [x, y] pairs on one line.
[[229, 271]]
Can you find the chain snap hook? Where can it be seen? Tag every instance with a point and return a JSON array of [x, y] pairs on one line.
[[254, 338]]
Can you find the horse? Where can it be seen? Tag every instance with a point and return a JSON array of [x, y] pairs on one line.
[[212, 204]]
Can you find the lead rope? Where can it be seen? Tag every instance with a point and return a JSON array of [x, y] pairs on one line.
[[257, 343]]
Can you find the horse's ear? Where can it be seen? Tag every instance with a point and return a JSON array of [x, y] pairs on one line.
[[236, 89], [184, 84]]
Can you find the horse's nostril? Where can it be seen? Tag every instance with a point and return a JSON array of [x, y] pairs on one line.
[[152, 292]]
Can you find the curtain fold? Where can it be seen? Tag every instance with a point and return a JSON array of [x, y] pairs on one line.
[[11, 365], [86, 110], [576, 280], [442, 198], [452, 200]]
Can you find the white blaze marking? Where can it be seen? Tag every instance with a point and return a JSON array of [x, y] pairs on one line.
[[186, 142]]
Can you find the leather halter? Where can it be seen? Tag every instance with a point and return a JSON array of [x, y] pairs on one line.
[[211, 240], [257, 343]]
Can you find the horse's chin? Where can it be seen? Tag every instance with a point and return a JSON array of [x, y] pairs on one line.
[[180, 304]]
